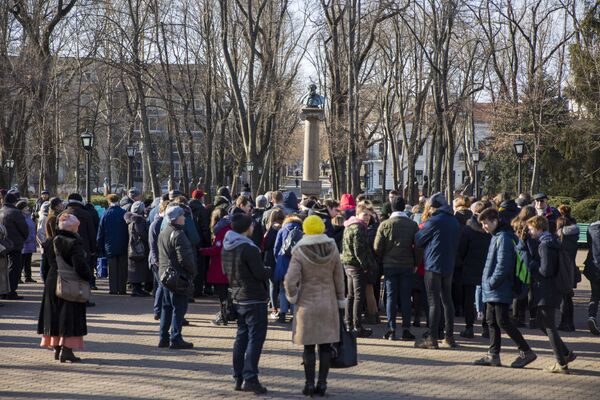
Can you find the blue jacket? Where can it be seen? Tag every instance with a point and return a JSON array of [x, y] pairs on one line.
[[153, 240], [113, 236], [29, 245], [290, 203], [439, 237], [544, 271], [282, 262], [499, 272]]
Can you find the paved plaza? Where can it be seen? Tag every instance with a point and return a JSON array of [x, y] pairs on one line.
[[122, 360]]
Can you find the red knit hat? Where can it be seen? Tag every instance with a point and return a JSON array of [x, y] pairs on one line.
[[197, 194]]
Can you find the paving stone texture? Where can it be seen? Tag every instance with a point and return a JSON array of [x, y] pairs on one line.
[[121, 360]]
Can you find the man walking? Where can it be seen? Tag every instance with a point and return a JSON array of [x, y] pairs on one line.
[[497, 284], [248, 277], [395, 249]]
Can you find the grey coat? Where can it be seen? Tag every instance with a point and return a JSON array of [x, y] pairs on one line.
[[137, 271]]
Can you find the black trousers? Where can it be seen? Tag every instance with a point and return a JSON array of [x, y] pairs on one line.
[[15, 267], [469, 305], [497, 318], [566, 313], [26, 262], [546, 322], [309, 358], [594, 300], [357, 284], [117, 274], [439, 295]]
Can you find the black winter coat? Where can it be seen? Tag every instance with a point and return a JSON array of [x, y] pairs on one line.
[[247, 274], [259, 232], [137, 271], [472, 252], [60, 317], [463, 215], [176, 252], [201, 218], [87, 229], [269, 246], [544, 269], [16, 227]]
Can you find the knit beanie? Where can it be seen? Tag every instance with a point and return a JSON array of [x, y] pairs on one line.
[[68, 222], [313, 225], [438, 200], [241, 222]]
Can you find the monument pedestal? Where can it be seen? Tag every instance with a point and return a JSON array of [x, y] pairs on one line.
[[311, 185]]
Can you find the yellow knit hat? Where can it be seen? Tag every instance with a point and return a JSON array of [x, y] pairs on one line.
[[313, 225]]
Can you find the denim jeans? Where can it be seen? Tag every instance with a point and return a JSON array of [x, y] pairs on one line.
[[398, 286], [158, 292], [357, 285], [546, 322], [284, 305], [497, 318], [439, 294], [249, 340], [594, 300], [174, 307]]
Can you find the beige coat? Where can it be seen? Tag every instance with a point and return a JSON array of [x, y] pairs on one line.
[[315, 284]]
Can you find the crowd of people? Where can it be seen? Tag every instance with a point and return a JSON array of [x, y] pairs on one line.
[[501, 261]]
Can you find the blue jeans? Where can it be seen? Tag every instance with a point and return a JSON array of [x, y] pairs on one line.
[[284, 305], [158, 292], [251, 335], [398, 286], [174, 307]]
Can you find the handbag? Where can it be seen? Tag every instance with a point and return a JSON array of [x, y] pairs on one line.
[[69, 286], [344, 354], [173, 280], [137, 249]]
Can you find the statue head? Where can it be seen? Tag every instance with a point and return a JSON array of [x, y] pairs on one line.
[[312, 88]]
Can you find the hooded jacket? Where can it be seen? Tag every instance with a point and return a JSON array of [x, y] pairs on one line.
[[509, 210], [315, 284], [499, 272], [242, 263], [439, 238], [569, 237], [290, 203], [348, 205], [544, 271], [472, 251], [356, 251]]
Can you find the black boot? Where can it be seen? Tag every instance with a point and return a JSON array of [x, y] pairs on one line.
[[324, 365], [66, 354], [309, 361], [56, 352]]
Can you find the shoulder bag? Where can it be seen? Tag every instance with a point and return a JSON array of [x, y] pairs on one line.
[[69, 285]]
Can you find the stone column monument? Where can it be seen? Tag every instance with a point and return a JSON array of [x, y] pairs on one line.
[[312, 115]]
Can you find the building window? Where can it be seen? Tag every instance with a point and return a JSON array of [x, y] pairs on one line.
[[419, 174], [381, 177], [381, 149], [137, 170], [461, 156]]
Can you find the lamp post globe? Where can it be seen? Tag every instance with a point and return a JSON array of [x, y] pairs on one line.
[[519, 146], [87, 142], [475, 157]]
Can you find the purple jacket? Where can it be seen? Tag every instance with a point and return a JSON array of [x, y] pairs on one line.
[[29, 245]]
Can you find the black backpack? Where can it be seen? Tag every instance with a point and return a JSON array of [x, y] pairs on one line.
[[290, 241], [565, 276]]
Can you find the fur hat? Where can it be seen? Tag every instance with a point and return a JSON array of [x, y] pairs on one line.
[[138, 208], [67, 222]]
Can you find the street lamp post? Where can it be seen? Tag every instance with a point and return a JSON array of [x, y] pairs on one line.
[[10, 164], [475, 157], [87, 142], [519, 151], [131, 152], [250, 168]]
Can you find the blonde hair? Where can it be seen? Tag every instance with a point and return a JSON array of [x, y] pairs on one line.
[[538, 222]]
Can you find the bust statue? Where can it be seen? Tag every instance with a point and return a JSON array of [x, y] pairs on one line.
[[314, 99]]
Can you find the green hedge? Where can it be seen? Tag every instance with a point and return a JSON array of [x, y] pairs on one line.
[[556, 201], [587, 211], [100, 201]]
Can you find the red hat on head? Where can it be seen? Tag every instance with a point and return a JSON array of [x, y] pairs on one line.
[[197, 194]]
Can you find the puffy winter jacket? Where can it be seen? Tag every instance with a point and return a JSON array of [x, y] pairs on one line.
[[439, 238], [395, 243], [16, 227], [499, 272], [356, 251], [175, 250], [544, 271]]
